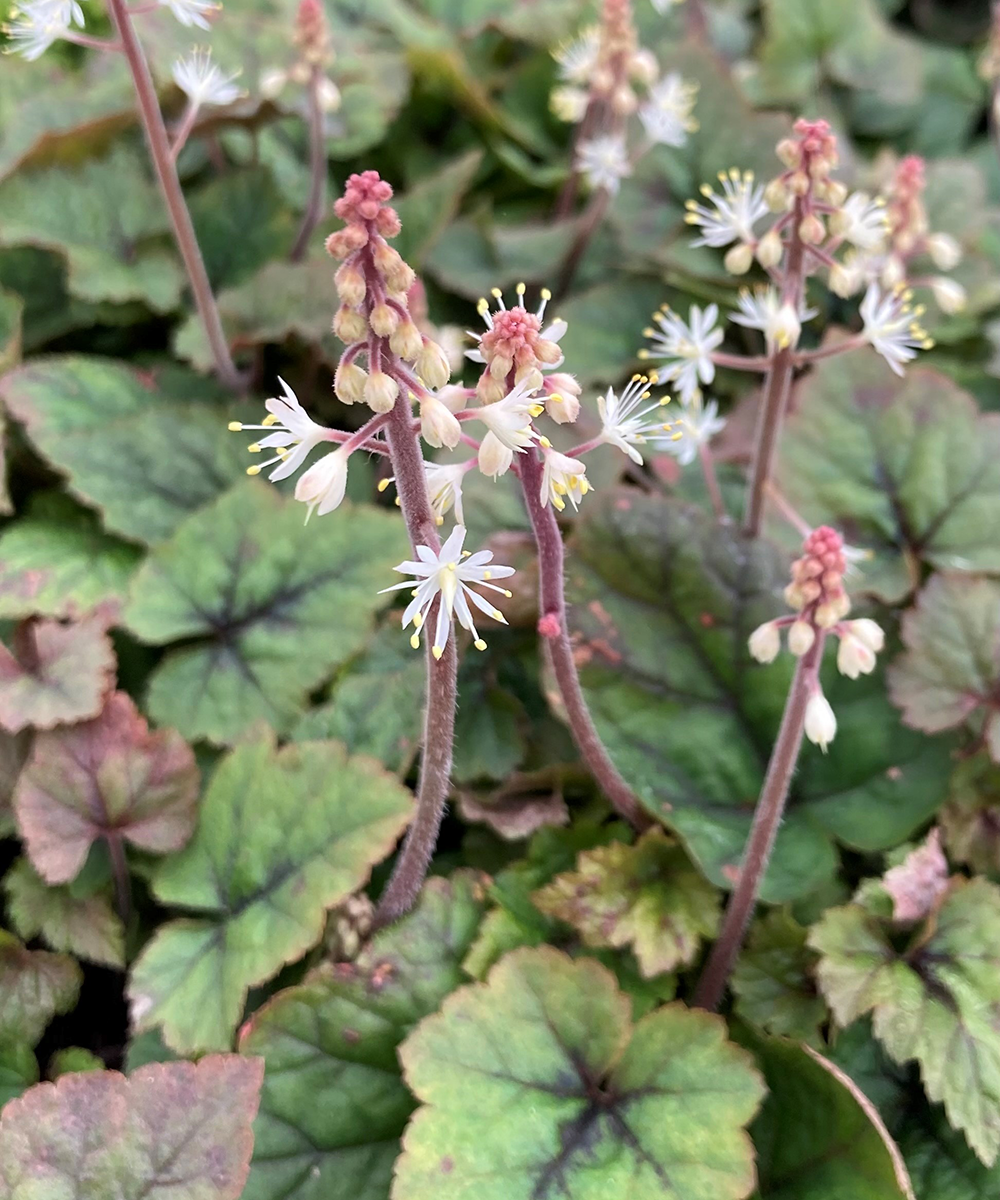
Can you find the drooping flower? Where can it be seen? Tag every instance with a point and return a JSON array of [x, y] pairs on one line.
[[509, 420], [821, 720], [288, 425], [685, 347], [37, 24], [444, 488], [322, 487], [626, 425], [438, 425], [731, 216], [603, 161], [568, 103], [860, 642], [765, 642], [202, 81], [563, 476], [892, 326], [765, 310], [192, 12], [666, 114], [448, 575], [861, 221], [697, 423]]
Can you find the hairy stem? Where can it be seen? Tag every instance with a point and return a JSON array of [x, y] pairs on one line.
[[766, 819], [317, 169], [552, 626], [166, 171], [442, 687]]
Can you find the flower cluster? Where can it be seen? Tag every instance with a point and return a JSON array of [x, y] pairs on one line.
[[600, 72], [36, 24], [315, 57], [817, 593]]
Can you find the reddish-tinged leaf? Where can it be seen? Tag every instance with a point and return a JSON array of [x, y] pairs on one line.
[[171, 1131], [34, 986], [54, 673], [107, 777]]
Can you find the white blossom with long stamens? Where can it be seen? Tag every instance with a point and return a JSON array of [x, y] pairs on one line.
[[37, 24], [695, 427], [685, 347], [444, 488], [625, 423], [731, 216], [577, 58], [192, 12], [765, 310], [562, 477], [203, 82], [891, 326], [603, 161], [287, 425], [861, 221], [449, 575], [666, 114], [508, 422]]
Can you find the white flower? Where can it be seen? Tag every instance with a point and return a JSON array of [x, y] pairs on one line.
[[624, 427], [202, 82], [444, 488], [861, 221], [945, 251], [686, 347], [289, 426], [563, 476], [860, 641], [732, 215], [509, 419], [448, 575], [322, 487], [890, 325], [821, 721], [664, 6], [192, 12], [666, 115], [37, 24], [765, 642], [578, 58], [438, 425], [949, 296], [764, 309], [865, 629], [603, 160], [695, 427]]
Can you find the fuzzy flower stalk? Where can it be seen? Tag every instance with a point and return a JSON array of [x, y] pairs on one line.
[[817, 594], [606, 78]]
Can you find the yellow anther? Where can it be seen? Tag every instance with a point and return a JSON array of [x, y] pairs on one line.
[[653, 377], [556, 398], [270, 419], [479, 644], [544, 442], [254, 470], [254, 449], [413, 594], [677, 436], [482, 305], [648, 332], [281, 451], [520, 289], [584, 487], [643, 353], [439, 521], [665, 400], [536, 410], [235, 426], [496, 293], [706, 190], [397, 502], [560, 504], [415, 641], [466, 553], [437, 651], [509, 595], [546, 294], [450, 566], [418, 620], [383, 484]]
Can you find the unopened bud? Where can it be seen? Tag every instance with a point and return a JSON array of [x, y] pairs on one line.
[[869, 632], [438, 426], [406, 341], [328, 95], [801, 636], [949, 296], [564, 383], [494, 457], [349, 325], [454, 397], [769, 249], [844, 280], [821, 721], [811, 230], [490, 390], [944, 250], [387, 222], [562, 407], [381, 391], [350, 285], [349, 383], [765, 642], [644, 66], [623, 100], [777, 196], [893, 272], [384, 320], [738, 259], [345, 241], [832, 192], [798, 183], [788, 152], [432, 364], [854, 658]]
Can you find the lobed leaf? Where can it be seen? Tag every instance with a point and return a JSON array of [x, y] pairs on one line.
[[34, 986], [773, 980]]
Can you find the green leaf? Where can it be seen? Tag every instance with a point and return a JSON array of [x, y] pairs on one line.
[[106, 778], [87, 927], [951, 668], [266, 605], [773, 980], [57, 561], [73, 1060], [970, 821], [906, 468], [55, 673], [938, 1001], [334, 1105], [940, 1163], [11, 313], [241, 222], [818, 1137], [282, 836], [489, 729], [171, 1131], [145, 455], [34, 986], [478, 255], [536, 1082], [18, 1070], [107, 218], [647, 896], [662, 602], [376, 706], [428, 208]]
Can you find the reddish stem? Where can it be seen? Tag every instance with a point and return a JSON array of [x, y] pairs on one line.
[[317, 168]]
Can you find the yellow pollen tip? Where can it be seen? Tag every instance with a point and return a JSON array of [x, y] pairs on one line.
[[546, 294], [418, 620], [509, 595], [556, 398], [647, 332], [536, 410], [450, 566], [496, 293], [482, 305], [479, 644], [520, 289], [544, 441], [254, 470], [676, 437], [665, 400], [560, 504], [281, 451], [397, 502], [415, 641], [653, 377], [235, 426], [270, 419], [643, 354], [439, 520], [437, 651], [383, 484], [254, 449], [466, 553]]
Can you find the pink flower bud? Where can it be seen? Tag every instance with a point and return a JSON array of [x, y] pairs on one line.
[[345, 241], [350, 284]]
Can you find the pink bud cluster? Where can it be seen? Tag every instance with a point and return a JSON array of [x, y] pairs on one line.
[[374, 318], [514, 343], [817, 587], [620, 60]]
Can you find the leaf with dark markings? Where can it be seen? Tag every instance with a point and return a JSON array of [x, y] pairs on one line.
[[145, 455], [34, 986], [536, 1084], [171, 1131], [773, 982], [334, 1104], [282, 837], [110, 777], [266, 606]]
